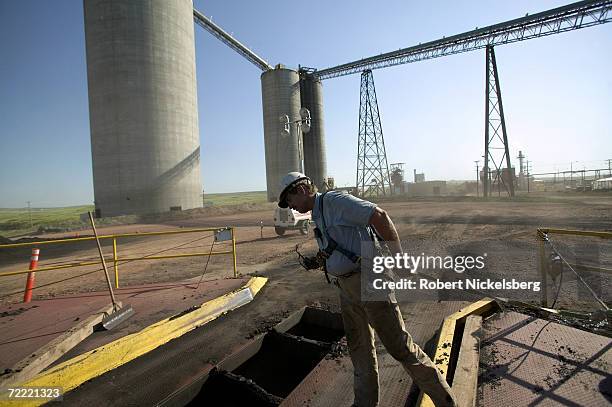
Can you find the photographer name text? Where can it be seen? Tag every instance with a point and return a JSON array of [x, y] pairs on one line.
[[469, 284]]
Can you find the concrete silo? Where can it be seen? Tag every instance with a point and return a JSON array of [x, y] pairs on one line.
[[142, 105], [315, 162], [280, 90]]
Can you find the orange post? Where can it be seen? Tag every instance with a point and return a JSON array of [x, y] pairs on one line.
[[27, 295]]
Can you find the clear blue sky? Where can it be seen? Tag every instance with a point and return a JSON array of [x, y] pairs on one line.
[[557, 91]]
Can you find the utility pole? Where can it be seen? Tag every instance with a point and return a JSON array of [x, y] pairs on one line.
[[527, 176], [521, 157], [30, 214], [477, 174], [609, 167]]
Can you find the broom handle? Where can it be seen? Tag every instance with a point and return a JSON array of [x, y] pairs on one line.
[[110, 287]]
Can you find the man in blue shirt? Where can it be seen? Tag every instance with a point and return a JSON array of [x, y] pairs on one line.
[[344, 222]]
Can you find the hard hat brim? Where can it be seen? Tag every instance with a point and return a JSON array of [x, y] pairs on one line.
[[282, 198], [283, 203]]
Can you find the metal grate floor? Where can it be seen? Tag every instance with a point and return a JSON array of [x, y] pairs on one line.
[[526, 361]]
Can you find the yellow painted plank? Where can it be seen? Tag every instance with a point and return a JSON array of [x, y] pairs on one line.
[[44, 356], [74, 372], [445, 339], [256, 284], [478, 307]]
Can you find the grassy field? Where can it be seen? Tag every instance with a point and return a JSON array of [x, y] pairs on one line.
[[19, 221], [235, 198], [16, 221]]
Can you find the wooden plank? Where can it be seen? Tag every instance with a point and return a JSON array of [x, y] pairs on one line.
[[465, 381], [445, 339], [34, 363], [479, 307]]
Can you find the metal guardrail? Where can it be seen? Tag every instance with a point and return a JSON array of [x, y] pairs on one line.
[[116, 259], [542, 234]]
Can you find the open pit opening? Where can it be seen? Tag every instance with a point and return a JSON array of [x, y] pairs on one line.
[[268, 369]]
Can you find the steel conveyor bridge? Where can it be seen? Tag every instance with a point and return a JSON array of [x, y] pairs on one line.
[[229, 40], [566, 18], [561, 19]]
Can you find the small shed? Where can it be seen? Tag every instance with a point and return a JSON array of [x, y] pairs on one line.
[[603, 184]]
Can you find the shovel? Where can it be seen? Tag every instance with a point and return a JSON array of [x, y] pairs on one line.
[[119, 313]]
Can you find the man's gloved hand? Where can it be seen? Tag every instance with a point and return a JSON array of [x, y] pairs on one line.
[[310, 263]]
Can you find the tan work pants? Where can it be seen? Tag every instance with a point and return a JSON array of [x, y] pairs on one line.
[[361, 319]]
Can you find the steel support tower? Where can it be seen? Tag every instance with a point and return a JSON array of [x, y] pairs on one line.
[[496, 138], [372, 169]]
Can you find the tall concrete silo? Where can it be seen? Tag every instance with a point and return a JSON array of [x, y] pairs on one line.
[[142, 105], [315, 161], [280, 90]]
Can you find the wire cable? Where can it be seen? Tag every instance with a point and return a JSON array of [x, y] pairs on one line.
[[593, 293], [206, 266]]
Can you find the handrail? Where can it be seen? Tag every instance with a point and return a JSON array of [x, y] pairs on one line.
[[76, 239], [115, 257]]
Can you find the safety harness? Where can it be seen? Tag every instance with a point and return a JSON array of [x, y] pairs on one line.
[[332, 245]]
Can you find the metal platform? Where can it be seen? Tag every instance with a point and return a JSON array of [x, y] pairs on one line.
[[526, 361]]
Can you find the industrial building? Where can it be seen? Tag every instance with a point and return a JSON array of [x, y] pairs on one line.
[[426, 188]]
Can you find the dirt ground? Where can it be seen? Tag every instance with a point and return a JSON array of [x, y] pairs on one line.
[[505, 230]]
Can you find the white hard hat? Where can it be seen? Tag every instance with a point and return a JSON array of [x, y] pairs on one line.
[[286, 183]]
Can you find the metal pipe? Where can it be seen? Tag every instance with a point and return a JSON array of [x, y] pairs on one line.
[[234, 252], [543, 277], [115, 263], [80, 239]]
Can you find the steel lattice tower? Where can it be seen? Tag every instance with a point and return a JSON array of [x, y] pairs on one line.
[[496, 138], [372, 169]]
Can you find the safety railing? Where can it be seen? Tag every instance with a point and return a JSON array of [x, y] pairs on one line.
[[219, 235], [543, 235]]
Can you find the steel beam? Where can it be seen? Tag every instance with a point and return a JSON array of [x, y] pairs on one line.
[[496, 138]]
